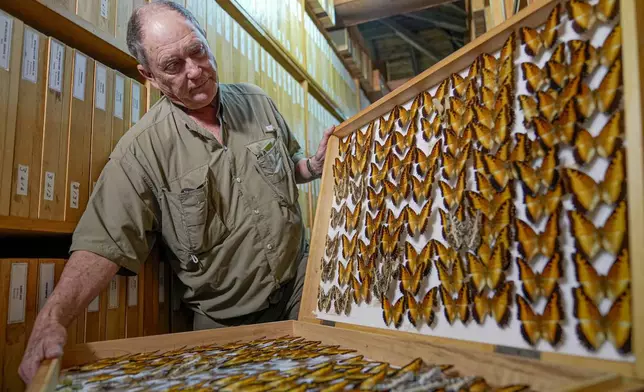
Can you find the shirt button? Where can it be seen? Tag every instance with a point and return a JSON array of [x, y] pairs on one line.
[[255, 211], [238, 179], [225, 148], [269, 246]]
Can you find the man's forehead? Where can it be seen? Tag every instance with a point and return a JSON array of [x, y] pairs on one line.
[[165, 28]]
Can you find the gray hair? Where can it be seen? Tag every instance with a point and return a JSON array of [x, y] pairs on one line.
[[135, 26]]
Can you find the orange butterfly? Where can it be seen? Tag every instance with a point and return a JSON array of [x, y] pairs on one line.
[[496, 230], [498, 306], [393, 314], [389, 241], [345, 273], [430, 128], [428, 105], [363, 139], [548, 105], [453, 166], [532, 243], [588, 193], [588, 147], [349, 246], [458, 84], [542, 284], [585, 102], [345, 145], [410, 281], [484, 186], [426, 164], [597, 286], [523, 149], [475, 69], [593, 328], [535, 77], [441, 92], [471, 91], [456, 144], [417, 222], [372, 224], [352, 218], [446, 256], [507, 51], [454, 279], [383, 149], [606, 9], [499, 172], [422, 189], [400, 191], [488, 272], [383, 130], [535, 327], [415, 107], [611, 49], [541, 206], [361, 290], [403, 142], [489, 137], [591, 240], [418, 260], [401, 116], [422, 310], [557, 73], [561, 130], [459, 308], [582, 15], [375, 200], [583, 58], [393, 221], [489, 207], [533, 179], [608, 92], [529, 108], [452, 197], [495, 102], [559, 54], [536, 41]]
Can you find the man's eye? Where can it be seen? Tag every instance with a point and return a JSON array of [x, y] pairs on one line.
[[172, 67]]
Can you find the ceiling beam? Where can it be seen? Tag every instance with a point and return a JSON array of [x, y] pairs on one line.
[[353, 12], [410, 38], [439, 23]]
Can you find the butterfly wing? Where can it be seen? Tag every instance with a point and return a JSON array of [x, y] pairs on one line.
[[551, 318], [449, 305], [530, 322], [589, 328], [478, 273], [589, 279], [608, 91], [614, 230], [528, 240], [619, 275], [463, 303], [619, 323], [500, 304], [582, 14], [587, 237], [529, 279], [548, 278]]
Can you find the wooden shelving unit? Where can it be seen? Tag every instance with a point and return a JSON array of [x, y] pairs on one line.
[[33, 227]]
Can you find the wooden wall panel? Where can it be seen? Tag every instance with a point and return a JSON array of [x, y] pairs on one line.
[[29, 126], [78, 164], [20, 277], [54, 159], [102, 121], [9, 81], [164, 298]]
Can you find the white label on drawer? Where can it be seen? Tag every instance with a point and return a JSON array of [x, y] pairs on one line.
[[136, 101], [93, 306], [45, 283], [74, 192], [80, 74], [17, 293], [161, 283], [6, 32], [22, 185], [105, 8], [113, 298], [101, 84], [132, 290], [30, 56], [119, 89], [56, 65], [50, 179]]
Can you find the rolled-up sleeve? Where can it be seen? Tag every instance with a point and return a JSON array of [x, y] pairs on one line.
[[119, 222]]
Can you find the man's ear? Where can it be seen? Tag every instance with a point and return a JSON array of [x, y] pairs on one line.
[[147, 75]]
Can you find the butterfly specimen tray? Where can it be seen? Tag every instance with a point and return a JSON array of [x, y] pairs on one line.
[[480, 228]]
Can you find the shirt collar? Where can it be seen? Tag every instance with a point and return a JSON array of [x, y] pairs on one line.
[[184, 121]]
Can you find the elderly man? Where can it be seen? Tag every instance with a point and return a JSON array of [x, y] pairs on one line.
[[213, 169]]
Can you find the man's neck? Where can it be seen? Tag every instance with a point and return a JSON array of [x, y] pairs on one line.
[[206, 115]]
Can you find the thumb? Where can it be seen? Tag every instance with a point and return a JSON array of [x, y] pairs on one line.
[[53, 350]]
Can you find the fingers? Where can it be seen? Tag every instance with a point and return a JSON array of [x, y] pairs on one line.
[[53, 350], [30, 362]]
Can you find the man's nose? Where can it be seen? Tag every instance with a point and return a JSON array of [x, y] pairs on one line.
[[194, 70]]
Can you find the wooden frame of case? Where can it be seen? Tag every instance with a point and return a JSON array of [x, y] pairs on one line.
[[552, 371]]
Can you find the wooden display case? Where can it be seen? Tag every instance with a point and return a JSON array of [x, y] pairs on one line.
[[545, 370]]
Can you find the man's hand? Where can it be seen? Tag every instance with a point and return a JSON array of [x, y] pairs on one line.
[[46, 342], [317, 160]]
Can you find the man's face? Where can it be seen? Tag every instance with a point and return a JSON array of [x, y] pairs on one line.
[[180, 62]]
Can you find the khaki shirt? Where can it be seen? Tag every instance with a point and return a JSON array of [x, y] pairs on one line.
[[229, 213]]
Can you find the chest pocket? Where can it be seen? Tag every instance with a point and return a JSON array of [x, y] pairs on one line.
[[191, 226], [274, 165]]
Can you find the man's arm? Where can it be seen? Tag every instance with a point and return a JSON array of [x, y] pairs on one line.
[[316, 162], [84, 277]]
